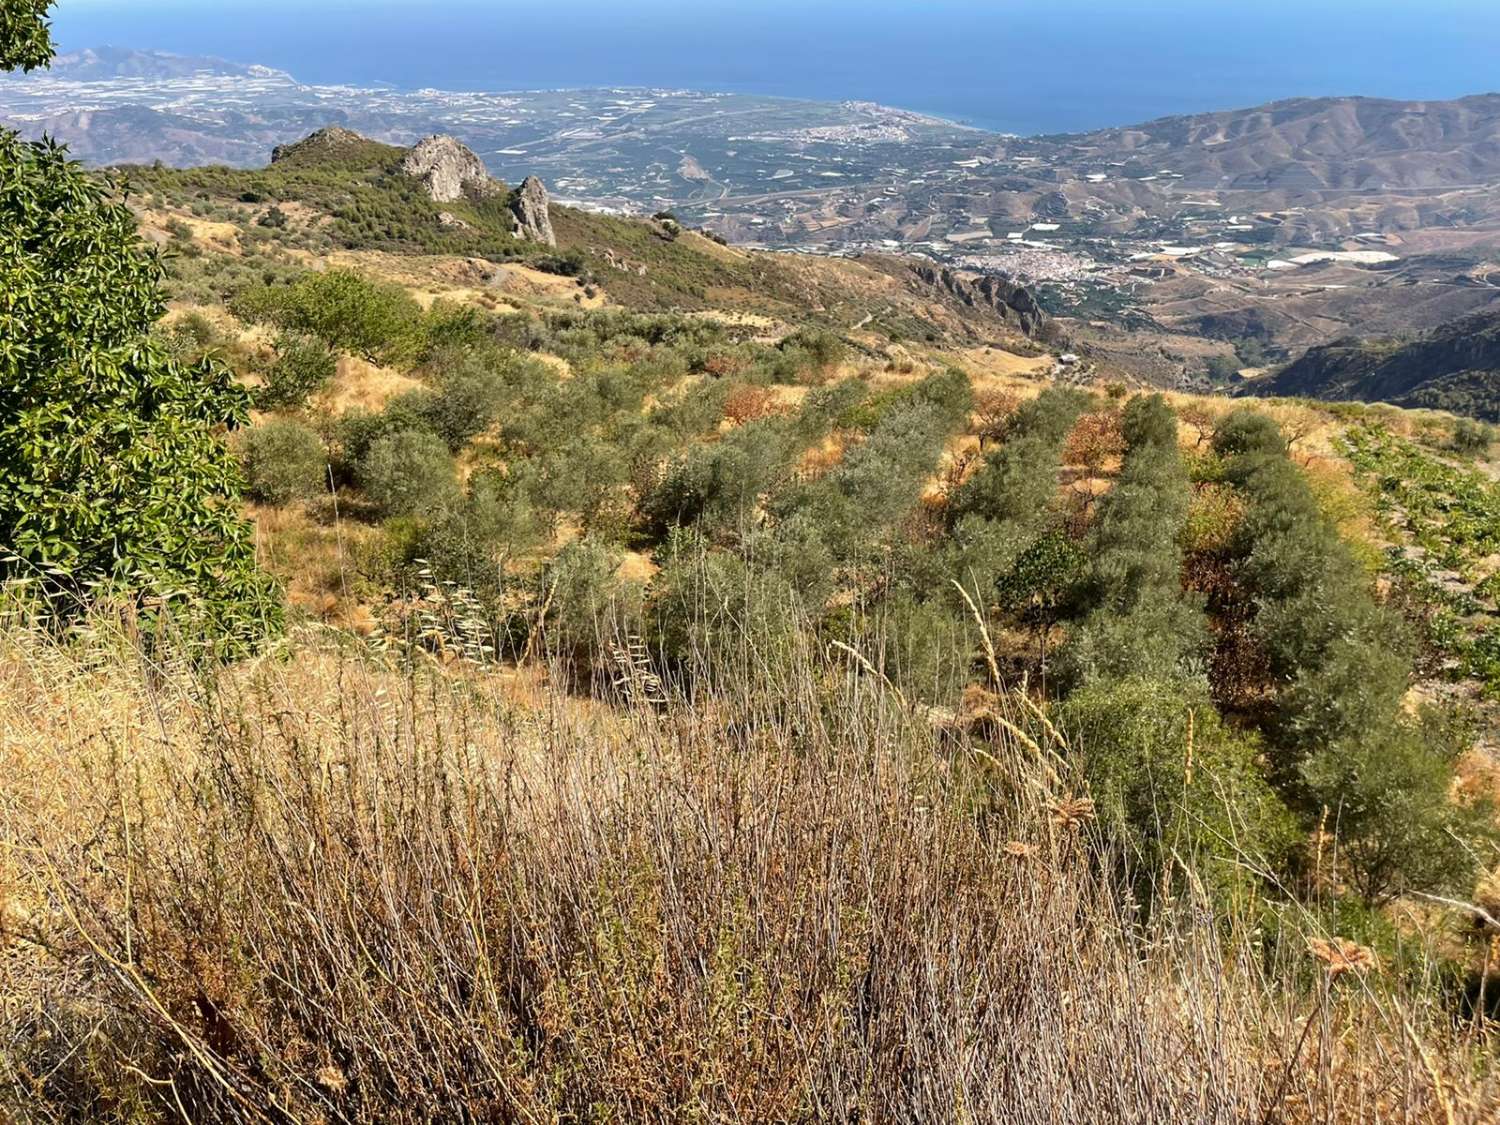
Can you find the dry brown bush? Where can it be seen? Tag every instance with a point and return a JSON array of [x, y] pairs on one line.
[[1096, 441], [749, 402], [330, 887]]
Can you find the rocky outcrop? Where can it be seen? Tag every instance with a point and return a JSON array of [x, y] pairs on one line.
[[1012, 303], [447, 169], [332, 142], [1053, 205], [533, 220]]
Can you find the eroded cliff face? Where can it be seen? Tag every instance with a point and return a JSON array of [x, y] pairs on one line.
[[1013, 303]]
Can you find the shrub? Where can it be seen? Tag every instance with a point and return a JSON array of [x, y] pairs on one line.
[[1139, 621], [589, 607], [409, 473], [1213, 810], [826, 349], [927, 648], [1344, 745], [471, 543], [465, 401], [303, 366], [1471, 438], [284, 461], [1095, 441], [715, 616], [1248, 431], [1019, 479]]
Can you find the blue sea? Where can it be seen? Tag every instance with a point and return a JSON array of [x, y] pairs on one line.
[[1018, 66]]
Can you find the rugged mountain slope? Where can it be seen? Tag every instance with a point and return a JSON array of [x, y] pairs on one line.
[[339, 190], [1317, 143], [1456, 367]]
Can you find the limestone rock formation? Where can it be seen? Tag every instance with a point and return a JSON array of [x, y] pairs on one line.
[[447, 169], [1015, 304], [529, 205]]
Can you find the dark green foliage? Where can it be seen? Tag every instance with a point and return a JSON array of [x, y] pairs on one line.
[[113, 470], [1041, 584], [1015, 481], [1389, 800], [1139, 621], [284, 461], [589, 608], [1222, 368], [1148, 421], [1344, 745], [1248, 431], [409, 473], [822, 349], [1010, 501], [470, 543], [721, 484], [469, 392], [926, 647], [1174, 782], [881, 479], [302, 367], [1471, 438], [25, 34], [716, 615]]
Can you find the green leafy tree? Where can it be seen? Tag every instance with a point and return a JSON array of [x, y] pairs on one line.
[[1343, 747], [303, 366], [346, 311], [1140, 621], [1173, 782], [113, 468], [25, 37]]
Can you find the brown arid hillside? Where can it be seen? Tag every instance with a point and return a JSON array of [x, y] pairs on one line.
[[1309, 144]]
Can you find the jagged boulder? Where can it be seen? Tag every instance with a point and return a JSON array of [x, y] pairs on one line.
[[1015, 304], [529, 205], [447, 169]]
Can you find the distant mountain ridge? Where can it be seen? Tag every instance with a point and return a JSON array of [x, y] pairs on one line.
[[102, 64], [1339, 143]]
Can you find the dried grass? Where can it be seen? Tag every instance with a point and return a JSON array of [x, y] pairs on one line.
[[329, 887]]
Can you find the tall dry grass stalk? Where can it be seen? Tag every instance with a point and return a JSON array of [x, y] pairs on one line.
[[329, 888]]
